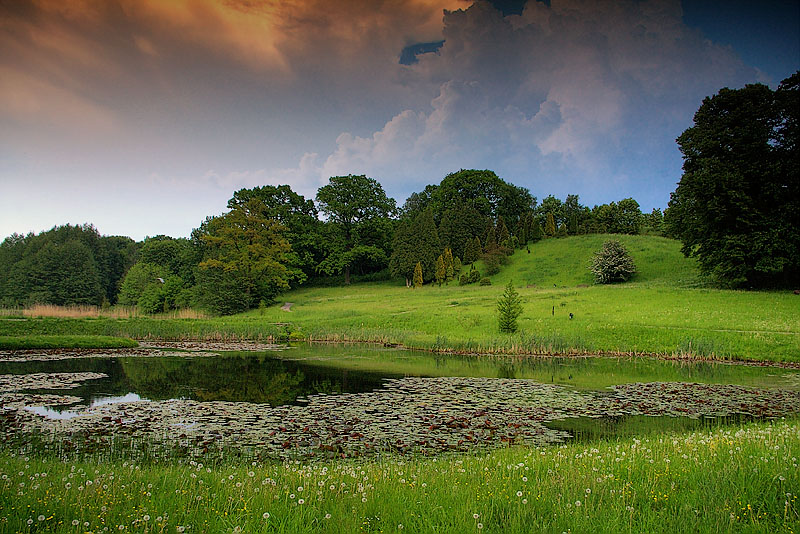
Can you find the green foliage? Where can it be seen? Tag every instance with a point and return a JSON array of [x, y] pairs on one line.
[[484, 191], [474, 276], [562, 231], [503, 235], [536, 233], [491, 240], [612, 263], [550, 225], [441, 273], [358, 212], [509, 308], [485, 282], [139, 278], [67, 265], [737, 206], [459, 225], [623, 217], [449, 270], [300, 218], [416, 242], [418, 280], [473, 250], [491, 261], [245, 253]]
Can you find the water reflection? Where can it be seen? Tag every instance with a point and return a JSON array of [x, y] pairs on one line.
[[69, 413]]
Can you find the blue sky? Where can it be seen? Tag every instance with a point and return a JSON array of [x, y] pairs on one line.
[[142, 116]]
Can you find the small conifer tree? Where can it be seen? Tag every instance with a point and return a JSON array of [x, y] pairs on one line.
[[491, 241], [503, 235], [550, 225], [440, 270], [418, 275], [509, 308], [449, 269]]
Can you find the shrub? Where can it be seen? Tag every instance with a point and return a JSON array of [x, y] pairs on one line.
[[485, 282], [492, 263], [612, 263], [474, 276]]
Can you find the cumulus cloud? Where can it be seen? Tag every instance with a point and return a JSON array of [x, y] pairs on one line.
[[571, 97]]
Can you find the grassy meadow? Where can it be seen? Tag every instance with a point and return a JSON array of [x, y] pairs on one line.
[[667, 309], [721, 479]]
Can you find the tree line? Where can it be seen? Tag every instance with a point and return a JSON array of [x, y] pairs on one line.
[[272, 238]]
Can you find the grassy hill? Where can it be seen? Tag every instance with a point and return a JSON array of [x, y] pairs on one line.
[[565, 262], [665, 309]]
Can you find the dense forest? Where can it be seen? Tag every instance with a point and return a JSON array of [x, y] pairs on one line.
[[736, 208]]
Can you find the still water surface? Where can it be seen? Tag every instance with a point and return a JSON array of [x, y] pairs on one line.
[[288, 376]]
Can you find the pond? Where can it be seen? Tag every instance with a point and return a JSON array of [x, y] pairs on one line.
[[350, 400]]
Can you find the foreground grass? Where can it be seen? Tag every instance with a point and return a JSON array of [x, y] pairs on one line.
[[65, 342], [727, 479]]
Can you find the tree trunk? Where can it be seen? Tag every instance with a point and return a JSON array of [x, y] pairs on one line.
[[347, 275]]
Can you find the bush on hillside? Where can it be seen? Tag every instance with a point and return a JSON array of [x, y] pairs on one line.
[[612, 263]]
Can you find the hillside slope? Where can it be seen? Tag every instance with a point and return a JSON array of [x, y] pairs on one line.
[[565, 262]]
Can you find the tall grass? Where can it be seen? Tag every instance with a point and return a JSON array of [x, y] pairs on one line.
[[82, 312], [739, 479]]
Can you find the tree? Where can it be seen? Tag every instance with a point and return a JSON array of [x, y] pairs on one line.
[[553, 206], [612, 263], [509, 308], [300, 218], [244, 260], [63, 266], [459, 225], [737, 205], [491, 240], [415, 241], [138, 279], [441, 273], [358, 211], [550, 225], [449, 271], [481, 190], [503, 235], [473, 250], [418, 275]]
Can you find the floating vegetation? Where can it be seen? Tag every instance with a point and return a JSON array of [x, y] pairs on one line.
[[46, 381], [46, 355], [419, 415], [213, 345]]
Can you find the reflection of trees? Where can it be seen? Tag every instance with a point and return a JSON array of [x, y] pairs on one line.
[[240, 378]]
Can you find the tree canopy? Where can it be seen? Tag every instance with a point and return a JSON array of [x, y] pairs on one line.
[[737, 206], [358, 211]]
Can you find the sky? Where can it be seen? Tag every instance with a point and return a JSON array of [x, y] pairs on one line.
[[143, 117]]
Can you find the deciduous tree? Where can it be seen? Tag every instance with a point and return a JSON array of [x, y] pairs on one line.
[[737, 206], [358, 210]]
